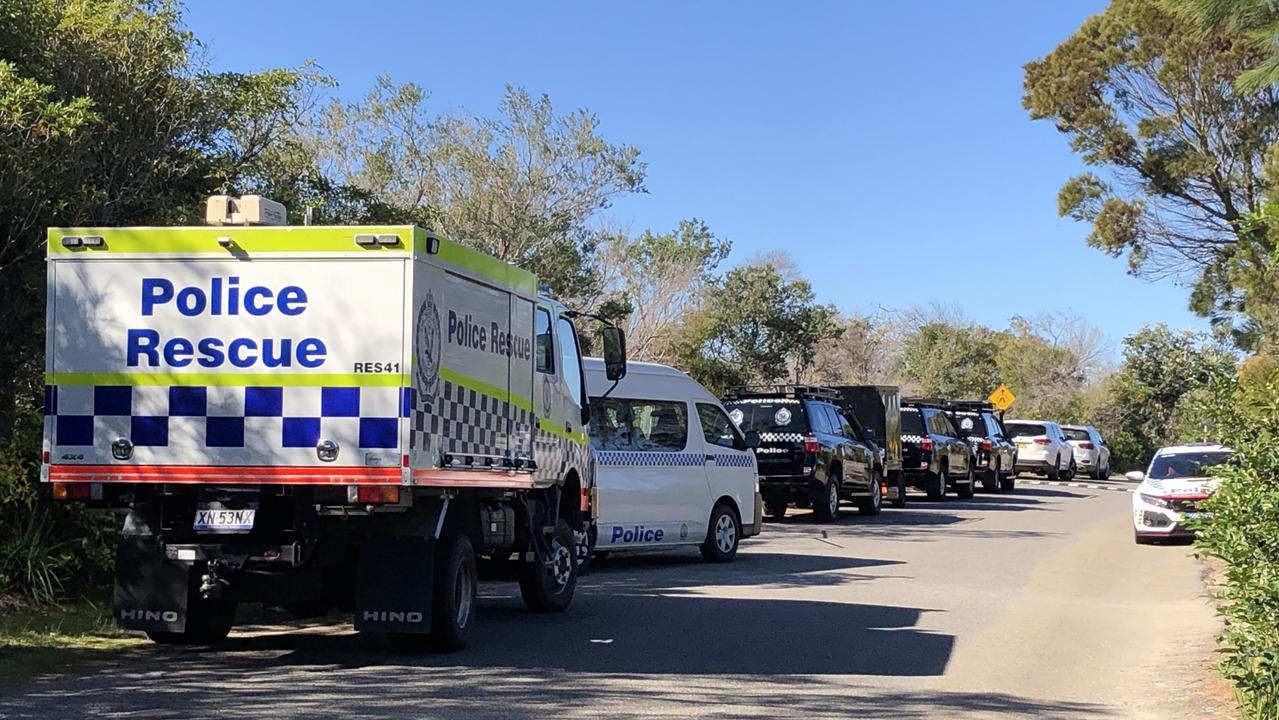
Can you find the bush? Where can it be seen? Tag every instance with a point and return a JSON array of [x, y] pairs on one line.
[[1242, 529], [48, 552]]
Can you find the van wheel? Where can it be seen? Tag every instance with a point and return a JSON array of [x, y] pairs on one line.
[[937, 490], [722, 534], [900, 501], [826, 509], [550, 589], [875, 503]]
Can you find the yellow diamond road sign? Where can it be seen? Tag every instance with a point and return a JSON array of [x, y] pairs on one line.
[[1002, 398]]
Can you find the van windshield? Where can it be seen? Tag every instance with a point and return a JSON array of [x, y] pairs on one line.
[[769, 416]]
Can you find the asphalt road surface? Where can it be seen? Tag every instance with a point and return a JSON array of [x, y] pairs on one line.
[[1036, 604]]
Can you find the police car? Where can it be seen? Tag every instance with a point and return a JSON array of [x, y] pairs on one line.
[[1179, 478], [671, 468]]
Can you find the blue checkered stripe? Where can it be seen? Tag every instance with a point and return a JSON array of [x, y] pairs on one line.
[[225, 416], [646, 458], [744, 460]]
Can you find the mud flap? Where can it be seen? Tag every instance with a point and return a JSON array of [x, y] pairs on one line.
[[151, 591], [394, 580]]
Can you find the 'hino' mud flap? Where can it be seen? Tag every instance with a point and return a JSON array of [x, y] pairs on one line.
[[151, 591], [394, 582]]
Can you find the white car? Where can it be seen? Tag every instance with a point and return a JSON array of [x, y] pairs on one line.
[[1092, 456], [1042, 448], [671, 468], [1179, 479]]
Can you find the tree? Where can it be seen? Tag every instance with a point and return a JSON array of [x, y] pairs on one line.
[[754, 327], [1150, 102], [524, 186], [863, 353], [658, 278], [1046, 362], [952, 362], [1257, 20]]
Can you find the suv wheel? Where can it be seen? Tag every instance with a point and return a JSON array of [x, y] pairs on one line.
[[990, 480], [900, 500], [875, 503], [937, 490], [1054, 472], [775, 510], [965, 490], [1070, 471], [826, 506]]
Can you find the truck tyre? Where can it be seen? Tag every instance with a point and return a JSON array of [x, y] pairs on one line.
[[826, 504], [722, 534], [454, 598], [965, 490], [900, 501], [937, 489], [208, 622], [550, 589], [874, 504]]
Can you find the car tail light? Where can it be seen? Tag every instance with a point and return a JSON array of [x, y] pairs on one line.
[[810, 444], [985, 446], [373, 494], [1043, 441], [926, 444], [1086, 445], [71, 491]]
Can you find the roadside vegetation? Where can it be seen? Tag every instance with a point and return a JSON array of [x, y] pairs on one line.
[[1172, 108]]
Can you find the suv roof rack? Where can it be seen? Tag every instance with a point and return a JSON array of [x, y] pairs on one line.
[[800, 392], [972, 405], [926, 402], [950, 405]]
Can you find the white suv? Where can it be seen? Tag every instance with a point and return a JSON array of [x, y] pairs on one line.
[[1042, 448], [1091, 454]]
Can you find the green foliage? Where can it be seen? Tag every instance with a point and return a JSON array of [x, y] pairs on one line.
[[1256, 20], [1149, 101], [754, 327], [1241, 527], [952, 361]]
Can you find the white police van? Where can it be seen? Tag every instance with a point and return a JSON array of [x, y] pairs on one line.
[[671, 468]]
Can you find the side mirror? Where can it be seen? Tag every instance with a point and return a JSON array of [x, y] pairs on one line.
[[752, 439], [614, 353], [1135, 476], [868, 435]]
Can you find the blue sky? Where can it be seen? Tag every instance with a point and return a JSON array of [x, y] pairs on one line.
[[883, 145]]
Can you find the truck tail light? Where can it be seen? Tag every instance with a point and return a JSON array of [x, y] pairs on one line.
[[985, 446], [1043, 441], [926, 444], [72, 491], [810, 444], [373, 494], [1086, 445]]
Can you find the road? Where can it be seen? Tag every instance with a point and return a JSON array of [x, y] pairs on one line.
[[1036, 604]]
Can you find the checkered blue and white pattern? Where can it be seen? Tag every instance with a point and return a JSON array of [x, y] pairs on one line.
[[744, 460], [912, 438], [781, 437], [226, 416], [645, 458]]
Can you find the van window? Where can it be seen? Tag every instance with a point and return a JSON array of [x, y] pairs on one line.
[[570, 360], [545, 347], [717, 428], [643, 425], [657, 425]]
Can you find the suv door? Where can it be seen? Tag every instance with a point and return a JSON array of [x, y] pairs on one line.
[[830, 445], [861, 458], [956, 447]]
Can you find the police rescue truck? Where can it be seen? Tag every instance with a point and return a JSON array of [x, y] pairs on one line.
[[314, 417]]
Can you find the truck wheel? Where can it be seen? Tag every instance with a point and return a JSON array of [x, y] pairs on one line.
[[826, 505], [550, 589], [454, 598], [875, 503], [208, 622], [722, 534], [965, 491], [900, 501], [585, 545], [937, 490]]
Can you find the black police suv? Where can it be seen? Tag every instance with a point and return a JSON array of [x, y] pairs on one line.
[[995, 453], [809, 453], [934, 456]]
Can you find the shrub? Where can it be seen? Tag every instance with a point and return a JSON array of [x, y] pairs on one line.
[[1242, 529]]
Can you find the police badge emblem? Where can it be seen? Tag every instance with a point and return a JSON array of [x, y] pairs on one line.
[[429, 352]]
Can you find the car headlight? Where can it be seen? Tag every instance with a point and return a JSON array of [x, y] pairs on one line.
[[1154, 500]]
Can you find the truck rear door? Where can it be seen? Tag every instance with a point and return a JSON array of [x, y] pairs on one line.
[[258, 363]]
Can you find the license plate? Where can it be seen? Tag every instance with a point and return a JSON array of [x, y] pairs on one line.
[[217, 520]]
